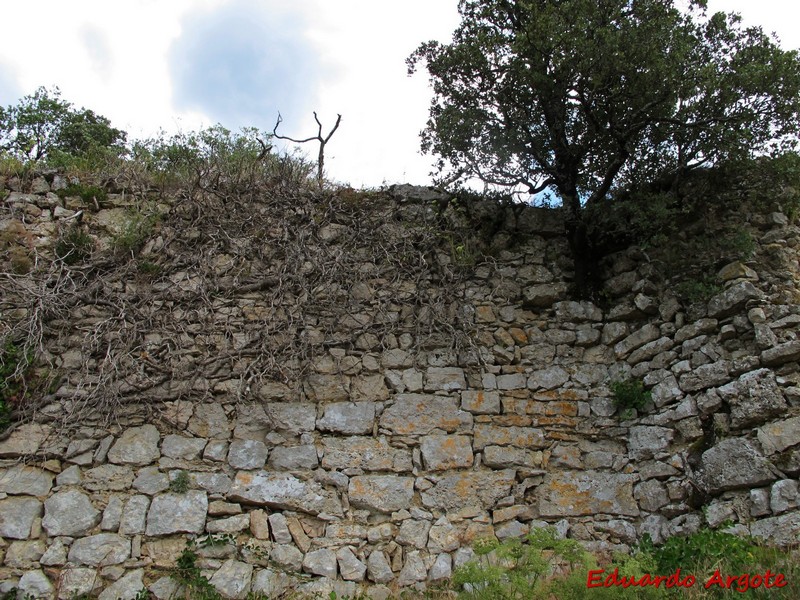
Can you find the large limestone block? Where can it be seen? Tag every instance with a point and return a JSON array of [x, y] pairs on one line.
[[69, 513], [382, 493], [294, 417], [349, 418], [475, 488], [284, 491], [293, 458], [137, 446], [247, 454], [100, 550], [327, 388], [732, 300], [732, 464], [209, 421], [521, 437], [367, 453], [21, 479], [444, 452], [175, 513], [579, 493], [25, 440], [780, 354], [232, 579], [419, 414], [125, 588], [780, 435], [648, 441], [17, 515], [781, 531], [444, 378], [754, 398], [182, 447], [108, 477]]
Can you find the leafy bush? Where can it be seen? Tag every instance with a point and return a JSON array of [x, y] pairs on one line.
[[629, 395]]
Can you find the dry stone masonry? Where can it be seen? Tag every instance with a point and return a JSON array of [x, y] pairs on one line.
[[394, 452]]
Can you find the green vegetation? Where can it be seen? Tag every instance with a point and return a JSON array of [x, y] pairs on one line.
[[43, 126], [181, 483], [14, 365], [92, 195], [629, 395], [697, 290], [74, 246], [582, 98], [188, 574], [137, 228], [543, 567]]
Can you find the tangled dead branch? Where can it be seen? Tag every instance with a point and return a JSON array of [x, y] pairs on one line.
[[247, 288]]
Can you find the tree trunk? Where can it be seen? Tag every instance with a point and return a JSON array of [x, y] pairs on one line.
[[587, 282]]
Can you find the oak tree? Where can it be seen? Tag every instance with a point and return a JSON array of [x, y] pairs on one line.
[[580, 97]]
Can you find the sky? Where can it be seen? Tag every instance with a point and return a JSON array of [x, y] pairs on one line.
[[179, 65]]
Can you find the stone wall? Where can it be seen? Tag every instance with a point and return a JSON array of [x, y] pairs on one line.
[[452, 397]]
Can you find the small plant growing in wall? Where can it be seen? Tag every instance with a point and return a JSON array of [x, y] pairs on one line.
[[74, 246], [180, 483], [629, 395]]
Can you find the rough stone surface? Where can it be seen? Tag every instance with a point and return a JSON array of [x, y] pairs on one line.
[[132, 519], [247, 454], [76, 582], [174, 513], [480, 402], [17, 515], [350, 568], [283, 491], [100, 550], [21, 479], [369, 454], [349, 418], [780, 435], [137, 446], [420, 414], [287, 557], [232, 579], [576, 493], [293, 458], [732, 464], [125, 588], [780, 354], [469, 489], [69, 513], [732, 300], [444, 452], [381, 493], [646, 442], [186, 448], [321, 562], [378, 567], [209, 421], [35, 584], [754, 398]]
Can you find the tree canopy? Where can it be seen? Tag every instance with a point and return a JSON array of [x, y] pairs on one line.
[[583, 96], [42, 126]]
